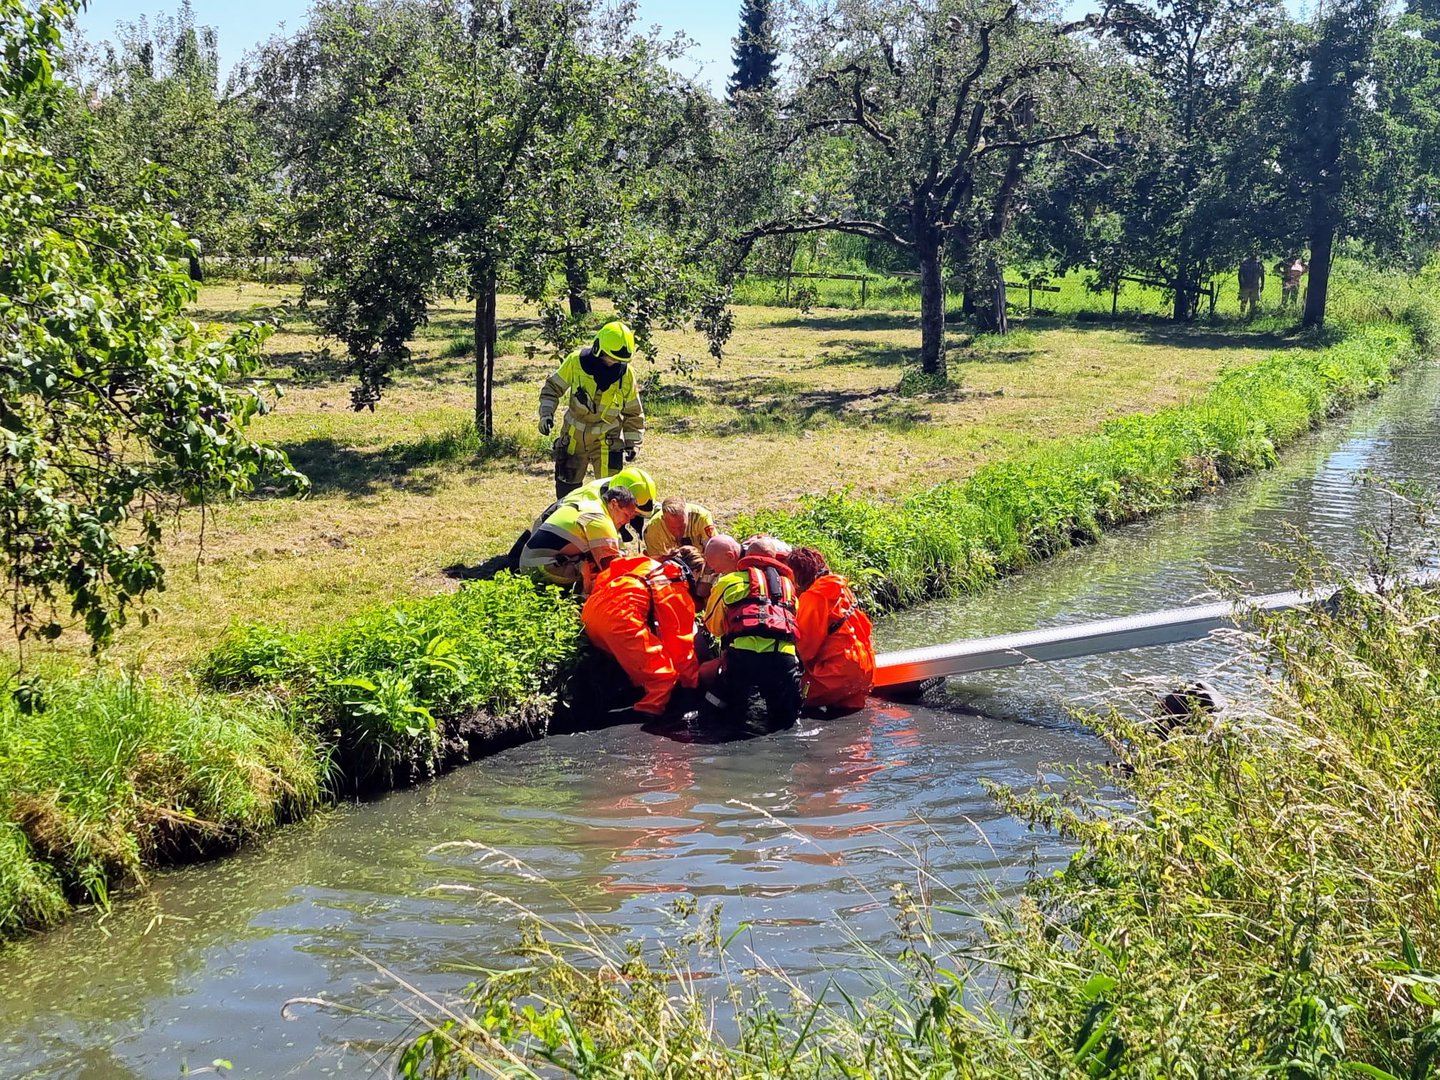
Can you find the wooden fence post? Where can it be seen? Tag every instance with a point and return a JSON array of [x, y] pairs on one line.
[[864, 291], [1115, 298]]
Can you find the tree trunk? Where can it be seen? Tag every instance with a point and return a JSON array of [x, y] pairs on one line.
[[1184, 285], [577, 283], [1322, 246], [932, 308], [485, 340], [991, 316], [197, 272]]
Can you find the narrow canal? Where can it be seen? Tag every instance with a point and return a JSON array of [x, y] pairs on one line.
[[801, 834]]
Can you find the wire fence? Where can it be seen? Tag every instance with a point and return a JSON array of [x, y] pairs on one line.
[[1077, 295]]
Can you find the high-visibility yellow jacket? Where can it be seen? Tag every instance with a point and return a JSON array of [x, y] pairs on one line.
[[699, 527], [572, 532], [594, 417]]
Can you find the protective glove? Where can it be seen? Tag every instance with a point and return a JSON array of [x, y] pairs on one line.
[[547, 424], [630, 452]]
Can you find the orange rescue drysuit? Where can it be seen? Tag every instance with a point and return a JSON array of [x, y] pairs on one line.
[[641, 613], [834, 641]]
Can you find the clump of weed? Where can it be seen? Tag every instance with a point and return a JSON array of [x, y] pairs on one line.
[[917, 383], [399, 691]]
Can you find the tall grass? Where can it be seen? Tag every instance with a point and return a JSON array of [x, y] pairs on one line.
[[1263, 901], [101, 775]]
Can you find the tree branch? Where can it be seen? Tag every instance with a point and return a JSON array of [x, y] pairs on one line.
[[856, 227], [1088, 131], [862, 118]]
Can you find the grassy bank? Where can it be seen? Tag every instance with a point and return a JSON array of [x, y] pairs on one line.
[[104, 775], [402, 690], [1261, 902]]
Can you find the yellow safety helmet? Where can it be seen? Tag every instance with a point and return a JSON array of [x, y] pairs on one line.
[[639, 484], [615, 340]]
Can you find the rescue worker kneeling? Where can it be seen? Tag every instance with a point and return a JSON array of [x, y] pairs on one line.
[[642, 612], [578, 539], [752, 614], [834, 637]]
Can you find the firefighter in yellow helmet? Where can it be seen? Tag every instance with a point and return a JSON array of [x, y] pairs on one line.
[[604, 422]]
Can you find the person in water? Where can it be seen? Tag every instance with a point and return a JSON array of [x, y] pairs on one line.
[[833, 637], [751, 613], [604, 421], [642, 612]]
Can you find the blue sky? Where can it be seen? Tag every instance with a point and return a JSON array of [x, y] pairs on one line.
[[711, 23]]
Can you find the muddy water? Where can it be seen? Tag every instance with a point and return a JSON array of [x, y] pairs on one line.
[[800, 834]]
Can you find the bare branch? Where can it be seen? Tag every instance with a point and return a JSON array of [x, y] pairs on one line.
[[854, 226], [1088, 131]]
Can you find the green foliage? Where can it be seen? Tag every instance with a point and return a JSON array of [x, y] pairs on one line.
[[929, 154], [115, 408], [105, 773], [399, 691], [956, 537], [160, 131], [438, 151]]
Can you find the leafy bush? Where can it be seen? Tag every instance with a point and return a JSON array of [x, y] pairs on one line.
[[956, 537], [398, 690], [102, 774]]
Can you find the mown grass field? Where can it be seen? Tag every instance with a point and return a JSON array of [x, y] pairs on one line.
[[802, 403]]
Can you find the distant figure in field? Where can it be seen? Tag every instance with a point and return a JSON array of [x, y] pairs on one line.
[[1290, 270], [1252, 284]]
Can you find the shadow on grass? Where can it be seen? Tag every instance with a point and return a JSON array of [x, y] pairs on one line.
[[838, 351], [307, 367], [1219, 334], [483, 571], [805, 411], [335, 468], [860, 320]]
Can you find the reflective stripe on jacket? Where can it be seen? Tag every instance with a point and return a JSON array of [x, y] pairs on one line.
[[592, 415], [573, 530]]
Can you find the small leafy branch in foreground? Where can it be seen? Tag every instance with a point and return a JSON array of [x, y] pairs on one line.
[[114, 407]]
